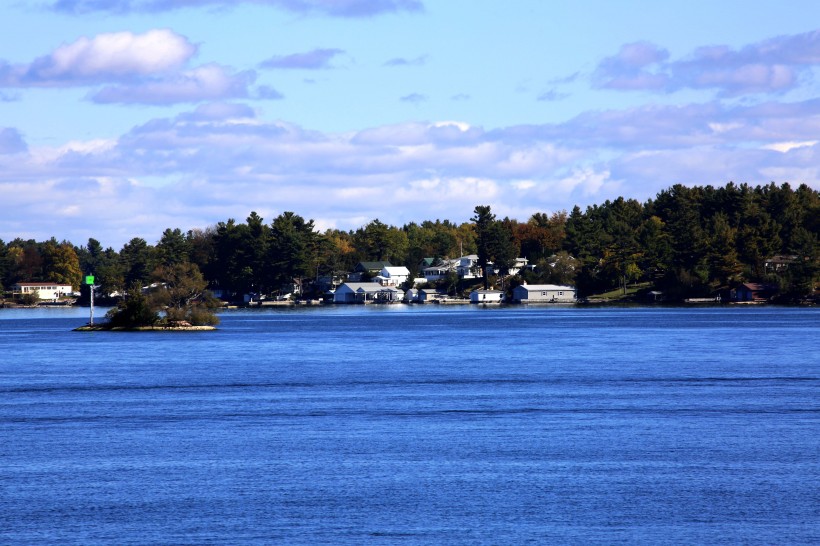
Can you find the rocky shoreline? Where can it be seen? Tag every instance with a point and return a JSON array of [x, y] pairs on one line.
[[160, 328]]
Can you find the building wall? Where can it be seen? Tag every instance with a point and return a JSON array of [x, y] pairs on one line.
[[531, 295], [46, 291], [486, 297]]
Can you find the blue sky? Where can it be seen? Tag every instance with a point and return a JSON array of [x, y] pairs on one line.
[[120, 118]]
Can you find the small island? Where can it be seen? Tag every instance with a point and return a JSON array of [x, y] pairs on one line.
[[176, 302]]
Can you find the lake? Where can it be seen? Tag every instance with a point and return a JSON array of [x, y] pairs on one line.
[[415, 425]]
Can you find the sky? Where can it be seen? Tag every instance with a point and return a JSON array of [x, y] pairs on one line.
[[121, 118]]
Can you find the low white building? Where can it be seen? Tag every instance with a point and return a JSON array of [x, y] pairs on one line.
[[44, 290], [543, 293], [486, 296]]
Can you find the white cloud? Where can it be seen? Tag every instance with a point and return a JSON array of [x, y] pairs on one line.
[[785, 147], [523, 185], [207, 82], [124, 67], [121, 53], [103, 58]]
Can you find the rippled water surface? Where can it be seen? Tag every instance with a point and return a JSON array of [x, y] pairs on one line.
[[422, 425]]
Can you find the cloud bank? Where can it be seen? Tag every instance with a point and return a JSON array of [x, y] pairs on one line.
[[770, 66], [221, 160], [333, 8]]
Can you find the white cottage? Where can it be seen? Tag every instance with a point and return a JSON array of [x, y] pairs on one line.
[[543, 293], [393, 275], [486, 296], [440, 270]]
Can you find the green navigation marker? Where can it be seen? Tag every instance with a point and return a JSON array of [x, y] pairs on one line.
[[89, 279]]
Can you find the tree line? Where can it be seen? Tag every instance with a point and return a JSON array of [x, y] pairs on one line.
[[687, 241]]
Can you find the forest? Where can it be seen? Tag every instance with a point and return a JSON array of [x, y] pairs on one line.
[[686, 242]]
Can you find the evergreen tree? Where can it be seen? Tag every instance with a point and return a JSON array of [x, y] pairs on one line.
[[486, 234]]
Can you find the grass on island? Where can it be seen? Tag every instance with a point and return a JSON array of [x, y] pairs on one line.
[[618, 294]]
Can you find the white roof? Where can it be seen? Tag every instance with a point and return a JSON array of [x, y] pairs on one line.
[[545, 287], [365, 286], [396, 270]]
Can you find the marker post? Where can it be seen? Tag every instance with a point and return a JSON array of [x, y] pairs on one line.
[[89, 280]]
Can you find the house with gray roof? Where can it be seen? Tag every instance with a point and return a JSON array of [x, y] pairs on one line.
[[366, 292], [543, 293]]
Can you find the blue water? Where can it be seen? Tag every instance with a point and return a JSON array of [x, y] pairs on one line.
[[415, 425]]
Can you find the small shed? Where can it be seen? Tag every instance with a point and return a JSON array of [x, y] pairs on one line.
[[486, 296], [429, 295]]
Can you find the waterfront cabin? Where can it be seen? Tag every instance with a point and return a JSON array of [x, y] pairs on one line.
[[543, 293], [366, 292], [754, 292], [486, 296], [430, 295]]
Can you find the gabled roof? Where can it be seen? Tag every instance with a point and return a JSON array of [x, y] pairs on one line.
[[372, 266], [396, 270], [357, 285], [758, 287], [433, 290], [368, 287]]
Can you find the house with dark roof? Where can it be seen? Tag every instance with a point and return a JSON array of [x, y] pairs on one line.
[[754, 292]]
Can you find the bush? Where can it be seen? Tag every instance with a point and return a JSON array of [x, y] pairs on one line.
[[200, 316], [133, 311]]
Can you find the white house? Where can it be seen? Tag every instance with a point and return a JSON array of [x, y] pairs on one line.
[[364, 292], [44, 290], [393, 275], [468, 267], [486, 296], [543, 293], [440, 270], [520, 263]]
